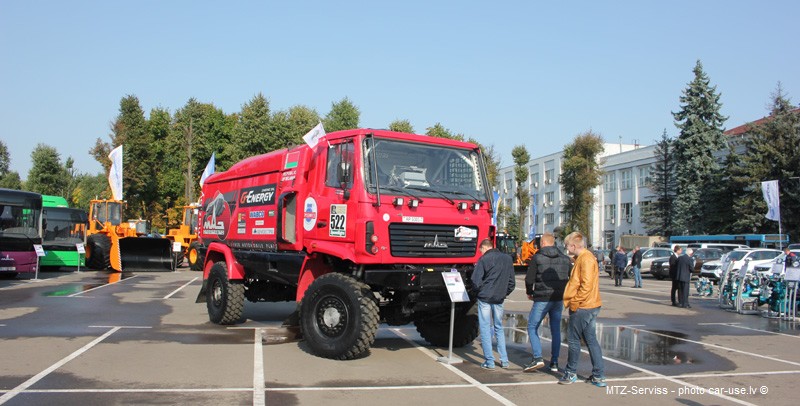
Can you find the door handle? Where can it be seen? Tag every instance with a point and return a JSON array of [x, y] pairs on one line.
[[321, 224]]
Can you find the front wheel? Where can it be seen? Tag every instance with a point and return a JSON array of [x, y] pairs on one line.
[[338, 317], [224, 299]]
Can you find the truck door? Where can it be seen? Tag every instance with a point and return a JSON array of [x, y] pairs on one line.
[[336, 208]]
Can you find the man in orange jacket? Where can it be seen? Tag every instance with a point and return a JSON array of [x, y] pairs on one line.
[[582, 297]]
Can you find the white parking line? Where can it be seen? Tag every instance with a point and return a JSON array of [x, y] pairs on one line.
[[259, 394], [475, 383], [178, 290], [36, 378], [758, 329], [102, 286], [636, 297]]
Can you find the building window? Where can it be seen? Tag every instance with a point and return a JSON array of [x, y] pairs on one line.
[[627, 212], [644, 176], [509, 186], [610, 182], [534, 179], [549, 198], [611, 211], [548, 176], [626, 179], [549, 218], [509, 203]]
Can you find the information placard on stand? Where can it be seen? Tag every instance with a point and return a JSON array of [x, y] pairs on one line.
[[81, 251], [39, 253], [458, 293]]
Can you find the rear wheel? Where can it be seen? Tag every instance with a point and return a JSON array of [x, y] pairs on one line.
[[339, 317], [437, 330], [98, 251], [224, 299], [194, 257]]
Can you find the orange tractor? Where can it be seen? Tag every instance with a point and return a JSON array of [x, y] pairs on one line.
[[186, 235], [520, 252], [122, 245]]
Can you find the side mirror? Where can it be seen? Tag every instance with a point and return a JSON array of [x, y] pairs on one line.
[[345, 176]]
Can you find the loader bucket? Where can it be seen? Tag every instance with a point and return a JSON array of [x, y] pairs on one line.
[[145, 254]]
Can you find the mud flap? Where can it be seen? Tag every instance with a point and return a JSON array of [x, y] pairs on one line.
[[145, 254], [201, 297]]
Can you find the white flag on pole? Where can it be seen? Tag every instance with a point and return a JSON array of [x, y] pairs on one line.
[[115, 173], [209, 169], [772, 197], [313, 137]]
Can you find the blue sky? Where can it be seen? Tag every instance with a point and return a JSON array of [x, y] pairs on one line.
[[506, 73]]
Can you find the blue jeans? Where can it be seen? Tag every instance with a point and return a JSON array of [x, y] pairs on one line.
[[582, 325], [538, 310], [637, 277], [490, 320]]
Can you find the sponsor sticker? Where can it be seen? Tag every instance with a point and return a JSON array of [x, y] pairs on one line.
[[309, 213], [338, 224], [259, 222], [257, 196], [466, 233], [263, 231], [258, 214]]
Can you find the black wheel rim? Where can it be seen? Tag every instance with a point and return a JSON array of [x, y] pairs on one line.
[[332, 316]]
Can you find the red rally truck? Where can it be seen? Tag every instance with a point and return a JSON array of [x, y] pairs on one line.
[[357, 230]]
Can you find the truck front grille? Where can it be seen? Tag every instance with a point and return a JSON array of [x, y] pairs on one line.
[[429, 241]]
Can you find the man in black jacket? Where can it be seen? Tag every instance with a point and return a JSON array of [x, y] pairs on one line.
[[548, 274], [493, 279], [636, 266], [684, 276], [673, 273]]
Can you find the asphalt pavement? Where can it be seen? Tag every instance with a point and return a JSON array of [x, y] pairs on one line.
[[78, 338]]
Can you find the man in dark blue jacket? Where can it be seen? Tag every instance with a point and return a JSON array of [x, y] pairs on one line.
[[547, 277], [493, 279], [620, 263]]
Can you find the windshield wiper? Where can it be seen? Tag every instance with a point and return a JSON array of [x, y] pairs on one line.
[[427, 189], [458, 192]]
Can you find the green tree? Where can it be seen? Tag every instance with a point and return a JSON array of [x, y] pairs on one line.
[[581, 173], [657, 214], [47, 174], [5, 159], [11, 180], [251, 133], [401, 126], [290, 126], [700, 124], [521, 159], [344, 115], [438, 130], [772, 154], [88, 187], [724, 193]]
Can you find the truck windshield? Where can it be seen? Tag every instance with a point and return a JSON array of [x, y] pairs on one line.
[[423, 169]]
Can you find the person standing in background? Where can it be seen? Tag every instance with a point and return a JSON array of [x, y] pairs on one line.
[[673, 273], [636, 266], [684, 276], [620, 262]]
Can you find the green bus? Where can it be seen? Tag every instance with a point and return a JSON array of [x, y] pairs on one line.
[[62, 229]]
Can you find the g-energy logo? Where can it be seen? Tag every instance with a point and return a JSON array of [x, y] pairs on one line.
[[257, 196]]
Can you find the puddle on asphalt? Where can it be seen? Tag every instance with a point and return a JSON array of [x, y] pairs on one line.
[[658, 347], [112, 277]]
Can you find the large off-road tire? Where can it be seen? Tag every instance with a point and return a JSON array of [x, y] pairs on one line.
[[436, 330], [338, 317], [194, 257], [98, 251], [224, 299]]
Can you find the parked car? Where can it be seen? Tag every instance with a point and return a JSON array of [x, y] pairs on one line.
[[736, 258], [711, 270], [766, 268], [648, 256], [724, 247], [660, 267]]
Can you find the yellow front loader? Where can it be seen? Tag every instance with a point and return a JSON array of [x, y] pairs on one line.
[[186, 234], [123, 245]]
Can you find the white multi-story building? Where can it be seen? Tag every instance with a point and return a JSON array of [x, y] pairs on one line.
[[618, 199]]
